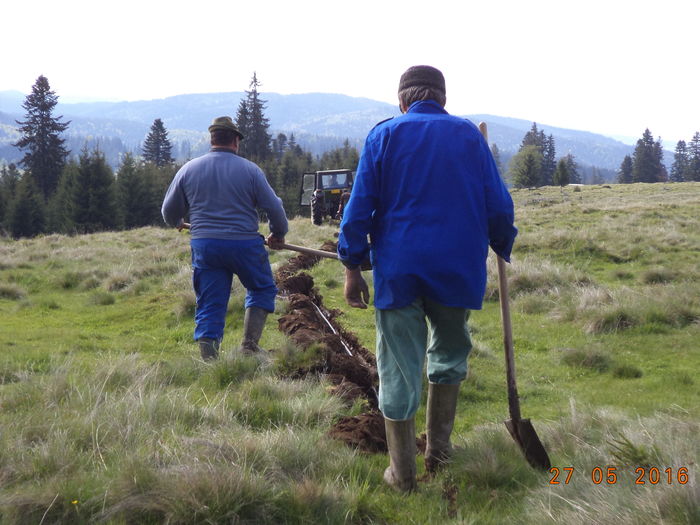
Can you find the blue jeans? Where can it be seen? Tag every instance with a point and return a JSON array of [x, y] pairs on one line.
[[404, 338], [215, 262]]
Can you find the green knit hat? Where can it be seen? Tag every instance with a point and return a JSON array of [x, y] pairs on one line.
[[224, 123], [426, 76]]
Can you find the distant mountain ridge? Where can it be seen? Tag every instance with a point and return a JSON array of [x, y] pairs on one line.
[[318, 120]]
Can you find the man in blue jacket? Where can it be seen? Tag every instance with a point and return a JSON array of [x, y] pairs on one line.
[[221, 192], [429, 195]]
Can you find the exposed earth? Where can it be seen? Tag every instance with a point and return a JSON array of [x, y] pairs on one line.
[[346, 364]]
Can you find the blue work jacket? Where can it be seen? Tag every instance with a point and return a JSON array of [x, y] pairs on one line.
[[428, 193]]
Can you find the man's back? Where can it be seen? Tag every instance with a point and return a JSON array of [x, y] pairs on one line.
[[222, 191], [433, 187]]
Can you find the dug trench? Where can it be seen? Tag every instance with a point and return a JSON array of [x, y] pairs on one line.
[[343, 361]]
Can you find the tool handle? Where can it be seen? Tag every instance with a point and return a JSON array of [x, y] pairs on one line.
[[300, 249], [513, 400], [310, 251]]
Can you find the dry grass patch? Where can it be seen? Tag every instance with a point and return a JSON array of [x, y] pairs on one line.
[[12, 292]]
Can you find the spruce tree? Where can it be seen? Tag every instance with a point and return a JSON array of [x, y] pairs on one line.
[[549, 160], [624, 173], [693, 171], [572, 168], [93, 199], [526, 167], [60, 206], [680, 162], [45, 153], [157, 147], [251, 121], [561, 174], [545, 146], [534, 137], [647, 160], [137, 197], [27, 215], [9, 179]]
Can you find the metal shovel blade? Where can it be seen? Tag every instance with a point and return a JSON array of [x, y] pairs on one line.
[[525, 436]]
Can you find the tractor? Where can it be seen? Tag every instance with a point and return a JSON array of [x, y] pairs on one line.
[[326, 192]]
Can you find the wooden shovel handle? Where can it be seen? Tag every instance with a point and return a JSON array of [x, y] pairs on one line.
[[513, 401]]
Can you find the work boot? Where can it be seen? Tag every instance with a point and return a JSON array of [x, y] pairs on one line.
[[208, 348], [253, 324], [401, 441], [442, 405]]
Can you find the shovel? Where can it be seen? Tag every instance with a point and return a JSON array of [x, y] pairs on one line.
[[520, 429]]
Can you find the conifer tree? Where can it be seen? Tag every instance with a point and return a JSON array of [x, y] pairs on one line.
[[27, 216], [549, 161], [157, 147], [9, 178], [345, 157], [534, 137], [279, 145], [624, 173], [526, 167], [545, 145], [137, 198], [680, 164], [45, 153], [93, 199], [647, 160], [572, 168], [60, 206], [251, 121], [693, 171], [561, 174]]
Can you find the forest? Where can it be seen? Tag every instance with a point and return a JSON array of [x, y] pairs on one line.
[[53, 190]]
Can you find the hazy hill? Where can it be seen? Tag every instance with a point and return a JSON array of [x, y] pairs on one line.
[[319, 121]]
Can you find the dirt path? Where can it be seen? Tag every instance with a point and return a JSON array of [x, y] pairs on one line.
[[348, 365]]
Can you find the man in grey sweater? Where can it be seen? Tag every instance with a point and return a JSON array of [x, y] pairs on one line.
[[221, 192]]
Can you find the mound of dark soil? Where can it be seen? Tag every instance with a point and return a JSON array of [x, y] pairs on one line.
[[364, 432], [350, 367]]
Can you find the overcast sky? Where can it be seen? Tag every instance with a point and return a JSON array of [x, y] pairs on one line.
[[614, 67]]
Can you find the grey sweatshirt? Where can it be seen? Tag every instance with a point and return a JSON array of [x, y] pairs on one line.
[[221, 191]]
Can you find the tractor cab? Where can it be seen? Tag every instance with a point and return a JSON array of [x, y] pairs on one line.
[[326, 192]]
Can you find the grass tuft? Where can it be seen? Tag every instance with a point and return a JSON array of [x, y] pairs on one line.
[[627, 372], [658, 276], [12, 292], [102, 298], [589, 358]]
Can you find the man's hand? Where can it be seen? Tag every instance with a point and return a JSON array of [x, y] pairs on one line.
[[274, 242], [183, 226], [356, 289]]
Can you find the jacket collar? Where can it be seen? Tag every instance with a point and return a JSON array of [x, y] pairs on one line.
[[216, 149], [426, 106]]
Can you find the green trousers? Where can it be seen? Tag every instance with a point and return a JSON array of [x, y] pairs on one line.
[[404, 337]]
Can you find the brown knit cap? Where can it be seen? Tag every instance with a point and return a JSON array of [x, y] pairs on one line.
[[426, 76]]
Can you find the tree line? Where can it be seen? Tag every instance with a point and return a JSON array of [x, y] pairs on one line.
[[646, 163], [536, 164], [52, 192]]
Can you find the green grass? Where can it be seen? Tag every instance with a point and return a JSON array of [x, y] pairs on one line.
[[107, 415]]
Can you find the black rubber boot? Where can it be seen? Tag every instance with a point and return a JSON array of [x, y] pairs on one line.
[[401, 441], [209, 348], [253, 324], [442, 405]]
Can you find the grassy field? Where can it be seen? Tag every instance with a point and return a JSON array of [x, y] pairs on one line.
[[107, 415]]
